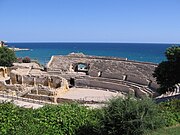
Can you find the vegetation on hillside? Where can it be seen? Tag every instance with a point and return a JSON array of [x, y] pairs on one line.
[[167, 73], [7, 57]]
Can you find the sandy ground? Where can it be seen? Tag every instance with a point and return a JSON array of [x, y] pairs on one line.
[[21, 103], [89, 94]]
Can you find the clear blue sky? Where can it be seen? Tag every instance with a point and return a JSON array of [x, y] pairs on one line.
[[90, 20]]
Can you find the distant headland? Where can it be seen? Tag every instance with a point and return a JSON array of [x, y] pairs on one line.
[[2, 44]]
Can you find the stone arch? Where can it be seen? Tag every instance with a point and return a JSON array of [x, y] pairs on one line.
[[81, 67]]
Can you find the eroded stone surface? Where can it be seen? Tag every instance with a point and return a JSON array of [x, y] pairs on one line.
[[132, 73], [80, 71]]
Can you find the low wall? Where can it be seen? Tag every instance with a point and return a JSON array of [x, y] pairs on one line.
[[138, 80], [28, 80], [137, 90], [42, 92], [104, 85], [41, 80], [118, 75], [40, 97]]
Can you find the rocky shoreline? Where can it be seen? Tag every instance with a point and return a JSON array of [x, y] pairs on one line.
[[19, 49]]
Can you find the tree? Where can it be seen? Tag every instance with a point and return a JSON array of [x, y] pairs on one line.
[[7, 57], [167, 73], [173, 54]]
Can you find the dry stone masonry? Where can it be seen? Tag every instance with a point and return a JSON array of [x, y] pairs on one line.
[[107, 73], [31, 81], [28, 80]]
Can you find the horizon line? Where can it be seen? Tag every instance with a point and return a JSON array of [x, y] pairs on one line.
[[91, 42]]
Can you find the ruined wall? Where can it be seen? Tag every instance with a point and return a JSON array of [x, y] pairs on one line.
[[3, 72], [104, 85], [138, 91], [2, 85]]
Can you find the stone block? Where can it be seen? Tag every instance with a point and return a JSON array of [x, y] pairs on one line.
[[154, 86], [82, 82], [42, 81], [93, 73], [140, 93], [118, 76], [138, 80], [28, 80]]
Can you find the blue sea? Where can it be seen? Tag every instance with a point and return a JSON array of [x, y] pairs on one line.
[[146, 52]]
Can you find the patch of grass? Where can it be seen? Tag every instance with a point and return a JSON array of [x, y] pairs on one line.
[[175, 130]]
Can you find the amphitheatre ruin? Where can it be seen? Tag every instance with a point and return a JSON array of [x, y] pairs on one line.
[[78, 77]]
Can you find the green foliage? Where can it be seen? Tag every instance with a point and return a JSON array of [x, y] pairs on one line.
[[120, 116], [65, 119], [174, 130], [173, 53], [55, 120], [7, 57], [170, 112], [130, 116], [167, 73], [14, 119]]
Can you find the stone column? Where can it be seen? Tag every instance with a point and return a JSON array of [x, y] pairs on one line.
[[34, 81], [49, 82]]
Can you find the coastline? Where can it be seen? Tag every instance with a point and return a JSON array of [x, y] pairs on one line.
[[19, 49]]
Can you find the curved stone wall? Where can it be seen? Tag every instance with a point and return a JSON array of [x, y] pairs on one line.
[[138, 73]]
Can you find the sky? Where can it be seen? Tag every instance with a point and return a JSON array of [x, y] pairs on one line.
[[155, 21]]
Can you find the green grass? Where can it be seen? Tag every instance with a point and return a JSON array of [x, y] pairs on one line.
[[175, 130]]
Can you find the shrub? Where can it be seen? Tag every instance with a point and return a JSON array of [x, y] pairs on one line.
[[7, 57], [64, 119], [14, 119], [129, 116], [19, 60], [55, 119], [120, 116], [170, 112], [26, 60]]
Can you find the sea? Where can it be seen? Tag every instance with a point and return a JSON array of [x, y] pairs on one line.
[[144, 52]]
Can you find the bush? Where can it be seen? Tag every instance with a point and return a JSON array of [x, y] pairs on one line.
[[170, 112], [26, 60], [7, 57], [130, 117], [19, 60], [64, 119], [55, 119], [14, 119], [120, 116]]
